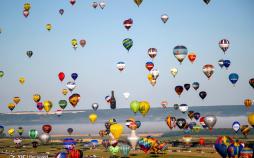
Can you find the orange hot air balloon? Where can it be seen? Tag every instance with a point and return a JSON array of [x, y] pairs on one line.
[[16, 100], [192, 57], [248, 103]]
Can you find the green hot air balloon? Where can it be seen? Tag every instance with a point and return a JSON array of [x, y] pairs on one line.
[[62, 104], [20, 131], [33, 134], [1, 74], [114, 150], [127, 43], [134, 106]]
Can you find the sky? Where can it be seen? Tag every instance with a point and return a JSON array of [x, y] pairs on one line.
[[191, 23]]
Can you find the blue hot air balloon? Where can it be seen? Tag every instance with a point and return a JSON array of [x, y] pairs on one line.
[[233, 78], [69, 143], [74, 76], [226, 63], [180, 52], [236, 126]]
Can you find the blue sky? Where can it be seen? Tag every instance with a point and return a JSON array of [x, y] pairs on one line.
[[191, 23]]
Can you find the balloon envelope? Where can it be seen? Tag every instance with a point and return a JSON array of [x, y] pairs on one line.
[[180, 52]]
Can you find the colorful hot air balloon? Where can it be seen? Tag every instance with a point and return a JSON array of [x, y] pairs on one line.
[[114, 150], [1, 129], [144, 107], [181, 122], [233, 78], [125, 149], [95, 106], [72, 2], [202, 122], [210, 121], [29, 53], [236, 126], [22, 80], [164, 18], [47, 105], [221, 145], [191, 114], [226, 63], [11, 106], [202, 94], [251, 119], [26, 13], [251, 82], [208, 70], [195, 85], [173, 71], [61, 11], [152, 52], [206, 1], [224, 45], [120, 66], [134, 106], [74, 43], [116, 130], [48, 27], [92, 118], [82, 43], [245, 129], [149, 66], [33, 134], [102, 5], [179, 90], [247, 103], [171, 122], [138, 2], [180, 53], [62, 104], [246, 152], [40, 106], [36, 98], [94, 5], [74, 99], [192, 57], [196, 115], [46, 128], [128, 23], [71, 86], [127, 43], [221, 63], [61, 76], [69, 144], [16, 100], [20, 131]]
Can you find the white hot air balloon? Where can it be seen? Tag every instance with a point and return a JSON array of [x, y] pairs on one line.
[[133, 139], [44, 138], [95, 106], [71, 85], [120, 66], [155, 73], [183, 108], [102, 5], [164, 18], [174, 71], [210, 121], [126, 95]]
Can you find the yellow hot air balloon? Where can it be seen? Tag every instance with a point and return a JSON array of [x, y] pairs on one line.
[[47, 105], [116, 130], [150, 77], [74, 43], [22, 80], [92, 118], [27, 6], [11, 106], [11, 132], [16, 100], [36, 98], [251, 119], [65, 91], [144, 107], [48, 27]]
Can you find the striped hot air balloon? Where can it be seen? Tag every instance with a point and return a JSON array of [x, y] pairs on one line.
[[127, 43]]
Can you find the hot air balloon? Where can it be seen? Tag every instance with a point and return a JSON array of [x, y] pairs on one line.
[[82, 43], [29, 53], [180, 53], [224, 45], [65, 91], [74, 99], [27, 6], [144, 107], [48, 27], [245, 129], [164, 18], [173, 71], [179, 90], [191, 114], [206, 1], [74, 43], [116, 130], [192, 57], [108, 98], [125, 149], [95, 106], [226, 63], [164, 104], [46, 128], [128, 23], [127, 43], [233, 78], [152, 52], [251, 82], [1, 129], [74, 76], [208, 70], [61, 76], [26, 13], [210, 121], [11, 132], [155, 73], [221, 145], [36, 98], [247, 103], [183, 108], [170, 121], [114, 150], [120, 66], [69, 144], [202, 94], [47, 105], [105, 143], [134, 106], [71, 86], [144, 144], [149, 66], [40, 106], [22, 80], [94, 5], [196, 115], [92, 118], [102, 5], [181, 122], [236, 126], [176, 106], [11, 106], [126, 95], [61, 11], [187, 86], [138, 2], [33, 134], [202, 122], [16, 100], [69, 130], [251, 119], [195, 85], [221, 63], [72, 2], [17, 141], [246, 152], [44, 138], [1, 74]]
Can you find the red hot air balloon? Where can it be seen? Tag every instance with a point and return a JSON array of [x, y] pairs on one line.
[[128, 23], [47, 128], [149, 66], [61, 76], [82, 42], [179, 90], [192, 57]]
